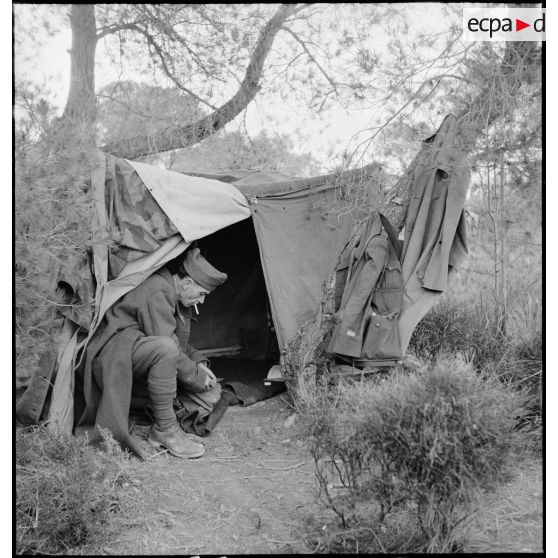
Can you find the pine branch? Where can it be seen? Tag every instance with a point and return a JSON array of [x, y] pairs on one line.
[[190, 134]]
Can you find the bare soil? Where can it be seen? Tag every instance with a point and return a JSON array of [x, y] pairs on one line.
[[512, 519], [253, 492]]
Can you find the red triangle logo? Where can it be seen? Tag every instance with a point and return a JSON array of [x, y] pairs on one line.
[[519, 24]]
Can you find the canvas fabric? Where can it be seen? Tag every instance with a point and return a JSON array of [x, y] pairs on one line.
[[135, 220], [60, 416], [298, 248], [196, 206], [200, 412]]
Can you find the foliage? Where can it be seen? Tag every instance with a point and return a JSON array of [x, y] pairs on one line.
[[522, 371], [477, 330], [52, 209], [465, 328], [504, 229], [67, 493], [235, 150], [512, 354], [410, 454], [404, 66], [196, 48], [127, 108]]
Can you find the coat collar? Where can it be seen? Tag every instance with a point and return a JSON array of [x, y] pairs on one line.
[[181, 312]]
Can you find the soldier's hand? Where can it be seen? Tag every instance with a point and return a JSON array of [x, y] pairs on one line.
[[210, 379]]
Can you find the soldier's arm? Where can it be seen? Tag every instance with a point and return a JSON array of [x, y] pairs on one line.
[[183, 334], [157, 318]]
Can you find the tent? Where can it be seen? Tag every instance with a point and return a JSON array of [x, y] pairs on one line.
[[265, 230], [273, 238]]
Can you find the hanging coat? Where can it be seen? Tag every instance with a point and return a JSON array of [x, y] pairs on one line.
[[370, 272], [381, 297], [435, 231]]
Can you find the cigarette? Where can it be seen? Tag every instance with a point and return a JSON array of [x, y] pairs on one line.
[[196, 309]]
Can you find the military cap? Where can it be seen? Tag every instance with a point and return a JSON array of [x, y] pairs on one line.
[[201, 271]]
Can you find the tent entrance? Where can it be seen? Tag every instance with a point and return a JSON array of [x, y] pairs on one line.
[[235, 326]]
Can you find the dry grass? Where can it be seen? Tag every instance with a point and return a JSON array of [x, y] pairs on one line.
[[511, 518], [68, 495]]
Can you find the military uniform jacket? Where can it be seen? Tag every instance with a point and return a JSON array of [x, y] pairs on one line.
[[381, 297], [370, 272]]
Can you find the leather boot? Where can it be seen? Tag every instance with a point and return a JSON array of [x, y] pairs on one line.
[[176, 441]]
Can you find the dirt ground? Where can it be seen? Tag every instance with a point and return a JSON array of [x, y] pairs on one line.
[[253, 492], [250, 493], [512, 519]]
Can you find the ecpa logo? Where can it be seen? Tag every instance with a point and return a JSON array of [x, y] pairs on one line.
[[504, 24]]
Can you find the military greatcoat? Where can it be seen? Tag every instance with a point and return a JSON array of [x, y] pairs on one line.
[[105, 390]]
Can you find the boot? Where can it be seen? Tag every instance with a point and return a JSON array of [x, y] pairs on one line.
[[176, 441]]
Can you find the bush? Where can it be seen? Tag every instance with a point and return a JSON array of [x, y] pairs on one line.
[[510, 349], [522, 371], [66, 492], [52, 229], [465, 328], [404, 460]]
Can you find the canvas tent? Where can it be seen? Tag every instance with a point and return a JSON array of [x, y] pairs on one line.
[[272, 237], [261, 228]]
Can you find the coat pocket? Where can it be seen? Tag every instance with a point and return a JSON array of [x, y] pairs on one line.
[[388, 295], [381, 340]]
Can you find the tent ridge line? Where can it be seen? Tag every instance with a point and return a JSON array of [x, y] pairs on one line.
[[266, 189]]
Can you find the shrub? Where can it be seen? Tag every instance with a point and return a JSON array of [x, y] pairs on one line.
[[404, 459], [522, 371], [52, 230], [66, 492], [508, 348], [465, 328]]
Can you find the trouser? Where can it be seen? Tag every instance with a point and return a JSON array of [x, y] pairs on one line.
[[154, 361]]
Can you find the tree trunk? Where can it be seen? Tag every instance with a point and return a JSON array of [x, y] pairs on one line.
[[503, 234], [81, 102], [190, 134]]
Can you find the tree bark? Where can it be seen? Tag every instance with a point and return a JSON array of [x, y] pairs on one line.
[[81, 102], [190, 134]]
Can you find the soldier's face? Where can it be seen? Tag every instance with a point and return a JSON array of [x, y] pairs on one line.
[[190, 293]]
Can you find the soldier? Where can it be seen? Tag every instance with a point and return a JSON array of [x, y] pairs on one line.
[[148, 323]]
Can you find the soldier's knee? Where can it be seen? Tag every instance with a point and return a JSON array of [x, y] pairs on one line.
[[154, 355], [165, 347]]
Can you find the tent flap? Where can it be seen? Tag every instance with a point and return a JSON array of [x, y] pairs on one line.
[[156, 214], [196, 206]]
